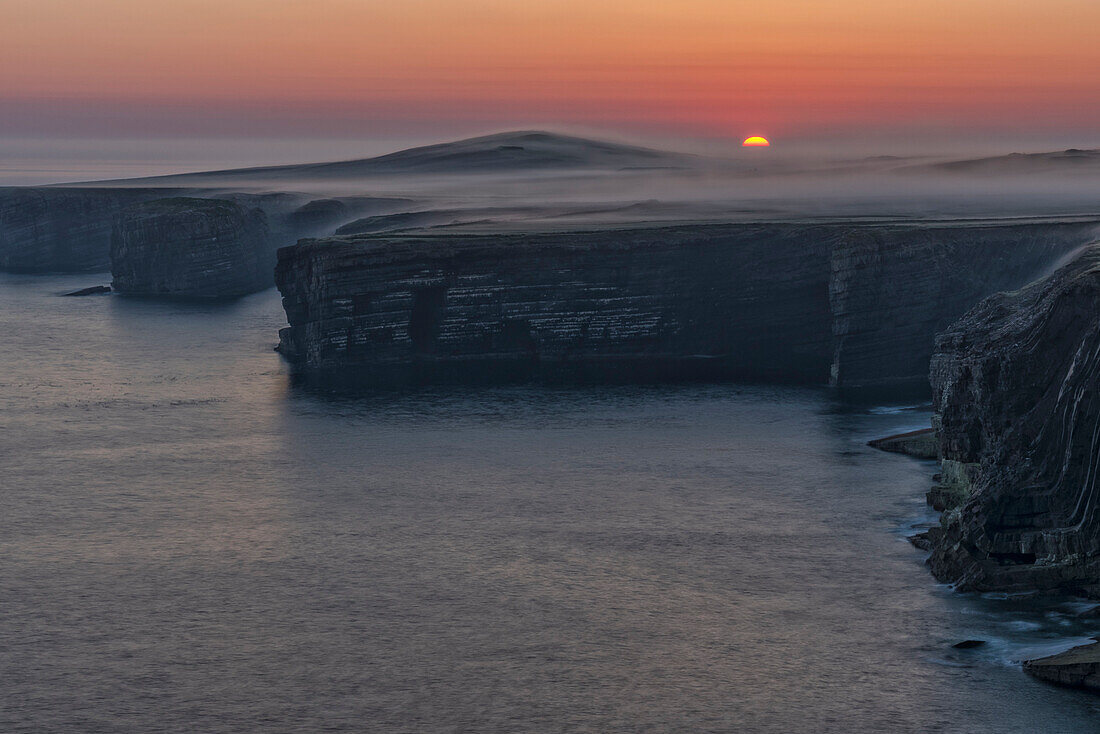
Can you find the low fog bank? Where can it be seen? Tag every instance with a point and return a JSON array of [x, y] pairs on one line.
[[550, 179]]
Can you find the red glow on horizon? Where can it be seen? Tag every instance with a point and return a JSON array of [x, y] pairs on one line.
[[706, 67]]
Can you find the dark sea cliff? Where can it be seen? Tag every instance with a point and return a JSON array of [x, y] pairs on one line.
[[855, 304]]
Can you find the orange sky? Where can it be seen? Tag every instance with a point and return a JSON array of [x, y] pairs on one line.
[[779, 67]]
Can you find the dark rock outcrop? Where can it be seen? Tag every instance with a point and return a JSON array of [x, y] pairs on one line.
[[1015, 389], [204, 248], [61, 229], [921, 444], [93, 290], [1076, 668], [69, 228], [854, 305]]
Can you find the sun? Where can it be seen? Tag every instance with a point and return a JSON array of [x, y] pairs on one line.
[[755, 142]]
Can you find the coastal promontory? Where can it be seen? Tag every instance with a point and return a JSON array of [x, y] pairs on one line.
[[855, 304]]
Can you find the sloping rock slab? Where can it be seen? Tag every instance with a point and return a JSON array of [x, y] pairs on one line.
[[1076, 668], [922, 444]]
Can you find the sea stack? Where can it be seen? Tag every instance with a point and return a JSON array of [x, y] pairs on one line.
[[1017, 405], [201, 248]]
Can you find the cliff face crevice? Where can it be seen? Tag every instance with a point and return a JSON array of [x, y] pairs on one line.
[[1015, 385], [857, 305], [205, 248]]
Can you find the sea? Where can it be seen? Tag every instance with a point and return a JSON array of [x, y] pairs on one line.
[[192, 541]]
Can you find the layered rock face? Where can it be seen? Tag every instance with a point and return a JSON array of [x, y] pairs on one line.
[[893, 288], [204, 248], [1015, 386], [69, 230], [857, 305], [645, 303]]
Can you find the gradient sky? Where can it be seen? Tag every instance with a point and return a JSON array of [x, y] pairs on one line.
[[794, 68]]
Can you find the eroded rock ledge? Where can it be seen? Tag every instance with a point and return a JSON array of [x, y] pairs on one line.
[[1075, 668], [1015, 390], [854, 305]]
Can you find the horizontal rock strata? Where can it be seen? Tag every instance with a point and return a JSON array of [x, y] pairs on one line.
[[204, 248], [644, 303], [893, 288], [857, 305], [68, 229], [1015, 390], [62, 229]]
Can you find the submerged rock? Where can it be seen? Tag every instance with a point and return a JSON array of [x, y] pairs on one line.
[[852, 305], [1076, 668], [1017, 404], [209, 248]]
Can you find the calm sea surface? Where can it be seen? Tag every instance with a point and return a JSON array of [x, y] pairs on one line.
[[189, 543]]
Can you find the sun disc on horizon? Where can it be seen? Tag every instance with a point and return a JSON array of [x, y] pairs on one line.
[[755, 142]]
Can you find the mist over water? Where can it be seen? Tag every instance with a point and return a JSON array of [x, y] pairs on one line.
[[34, 161], [191, 542], [701, 179]]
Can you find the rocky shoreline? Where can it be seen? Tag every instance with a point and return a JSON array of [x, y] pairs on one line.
[[1078, 667], [1016, 410]]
